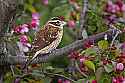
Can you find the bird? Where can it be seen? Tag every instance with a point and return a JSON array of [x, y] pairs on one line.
[[47, 38]]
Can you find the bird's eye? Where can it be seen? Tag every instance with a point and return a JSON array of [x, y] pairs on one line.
[[58, 22]]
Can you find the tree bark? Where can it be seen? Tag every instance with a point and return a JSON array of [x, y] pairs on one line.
[[7, 11], [1, 78]]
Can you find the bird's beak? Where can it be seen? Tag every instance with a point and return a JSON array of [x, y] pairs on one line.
[[64, 23]]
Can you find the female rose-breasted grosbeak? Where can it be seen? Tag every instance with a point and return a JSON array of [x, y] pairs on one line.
[[48, 38]]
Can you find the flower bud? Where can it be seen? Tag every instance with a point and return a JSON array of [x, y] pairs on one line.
[[94, 81], [119, 66], [60, 81], [23, 39], [45, 2], [17, 80], [71, 23]]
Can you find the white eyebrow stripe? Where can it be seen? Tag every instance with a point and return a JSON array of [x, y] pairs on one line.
[[54, 21], [54, 25]]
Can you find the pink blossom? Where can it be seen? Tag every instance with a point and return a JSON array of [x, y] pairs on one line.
[[27, 44], [109, 6], [35, 16], [119, 3], [71, 23], [23, 43], [118, 6], [66, 81], [119, 66], [82, 60], [114, 8], [35, 20], [123, 8], [45, 2], [110, 19], [17, 80], [88, 44], [21, 28], [87, 81], [74, 55], [24, 28], [22, 47], [118, 79], [60, 81], [123, 80], [123, 46], [17, 29], [34, 23], [23, 39], [114, 80]]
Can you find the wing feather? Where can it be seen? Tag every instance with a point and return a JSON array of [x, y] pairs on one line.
[[45, 37]]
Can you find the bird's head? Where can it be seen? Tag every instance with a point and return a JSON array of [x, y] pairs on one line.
[[57, 21]]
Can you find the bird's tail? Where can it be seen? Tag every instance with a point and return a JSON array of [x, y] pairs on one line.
[[30, 60]]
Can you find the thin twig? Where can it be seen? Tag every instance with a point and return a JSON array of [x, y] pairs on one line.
[[113, 40], [121, 20], [116, 34], [12, 70], [77, 67], [61, 76], [22, 76], [1, 77]]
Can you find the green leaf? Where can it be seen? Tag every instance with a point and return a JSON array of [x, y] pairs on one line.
[[90, 65], [103, 44], [92, 78], [99, 73], [67, 39], [50, 68], [105, 80], [30, 8], [123, 73], [90, 51], [59, 70], [22, 81], [31, 1], [8, 78], [108, 68], [62, 10], [46, 80], [29, 38], [80, 81], [37, 74]]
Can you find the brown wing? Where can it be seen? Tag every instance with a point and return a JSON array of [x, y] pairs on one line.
[[45, 37]]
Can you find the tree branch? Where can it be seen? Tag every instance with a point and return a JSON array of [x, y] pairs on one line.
[[82, 19], [121, 20], [58, 52], [1, 77]]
